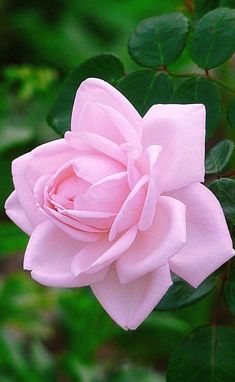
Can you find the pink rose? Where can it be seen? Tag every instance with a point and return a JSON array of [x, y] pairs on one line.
[[117, 204]]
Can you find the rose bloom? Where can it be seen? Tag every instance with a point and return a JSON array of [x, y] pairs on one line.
[[117, 204]]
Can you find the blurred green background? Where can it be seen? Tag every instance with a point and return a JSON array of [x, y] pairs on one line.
[[64, 335]]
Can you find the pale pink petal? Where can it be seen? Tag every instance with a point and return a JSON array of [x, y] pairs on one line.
[[76, 230], [153, 248], [131, 209], [208, 243], [26, 170], [49, 255], [73, 232], [47, 158], [132, 172], [94, 119], [106, 195], [127, 132], [148, 160], [98, 91], [130, 304], [180, 130], [96, 143], [16, 213], [95, 256], [94, 167], [24, 189], [148, 211]]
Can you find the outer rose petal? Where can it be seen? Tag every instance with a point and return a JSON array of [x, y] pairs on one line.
[[49, 255], [180, 130], [24, 190], [16, 213], [153, 248], [92, 142], [26, 169], [130, 304], [98, 91], [107, 122], [208, 243], [47, 158]]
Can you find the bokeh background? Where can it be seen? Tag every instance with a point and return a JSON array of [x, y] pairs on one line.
[[52, 334]]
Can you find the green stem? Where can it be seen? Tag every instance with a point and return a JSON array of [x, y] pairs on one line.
[[222, 84], [222, 279]]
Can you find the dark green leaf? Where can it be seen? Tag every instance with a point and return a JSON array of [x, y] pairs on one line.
[[224, 190], [105, 66], [229, 292], [204, 6], [213, 39], [206, 355], [145, 88], [218, 157], [201, 90], [135, 374], [231, 113], [227, 3], [159, 40], [12, 239], [182, 294]]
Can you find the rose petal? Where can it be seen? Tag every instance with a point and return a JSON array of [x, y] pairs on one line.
[[131, 209], [98, 91], [26, 169], [24, 190], [47, 158], [98, 143], [153, 248], [106, 195], [94, 167], [148, 211], [180, 130], [127, 132], [208, 243], [130, 304], [49, 255], [16, 213], [94, 257], [76, 230]]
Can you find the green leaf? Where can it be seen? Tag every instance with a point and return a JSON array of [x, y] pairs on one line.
[[213, 39], [204, 6], [218, 157], [228, 3], [145, 88], [159, 40], [224, 190], [231, 113], [12, 239], [206, 355], [182, 294], [105, 66], [134, 374], [201, 90], [229, 292]]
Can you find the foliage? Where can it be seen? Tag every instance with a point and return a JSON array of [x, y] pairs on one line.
[[184, 51]]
